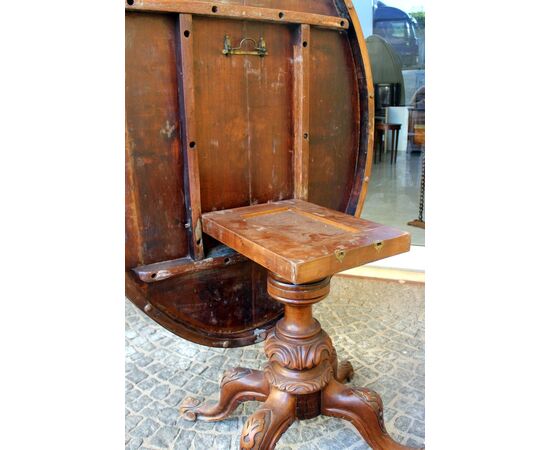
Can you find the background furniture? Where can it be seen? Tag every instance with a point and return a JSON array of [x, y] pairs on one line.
[[391, 131], [416, 118], [399, 115], [386, 65]]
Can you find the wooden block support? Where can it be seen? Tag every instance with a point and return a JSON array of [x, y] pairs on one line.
[[303, 242], [186, 94], [300, 111]]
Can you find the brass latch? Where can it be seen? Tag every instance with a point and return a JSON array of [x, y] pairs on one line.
[[340, 255], [259, 50]]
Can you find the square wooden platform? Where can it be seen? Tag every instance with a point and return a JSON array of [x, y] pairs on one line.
[[303, 242]]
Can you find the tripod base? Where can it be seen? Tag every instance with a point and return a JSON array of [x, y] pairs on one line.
[[301, 380]]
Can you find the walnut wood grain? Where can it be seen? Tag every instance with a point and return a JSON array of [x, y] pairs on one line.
[[241, 12], [334, 121], [154, 187], [303, 242]]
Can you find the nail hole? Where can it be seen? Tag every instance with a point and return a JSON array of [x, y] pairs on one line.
[[192, 144], [153, 275], [281, 15], [186, 33], [130, 2], [305, 44], [306, 135], [342, 23], [226, 260], [214, 9]]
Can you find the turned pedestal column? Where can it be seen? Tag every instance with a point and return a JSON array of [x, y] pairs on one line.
[[301, 380]]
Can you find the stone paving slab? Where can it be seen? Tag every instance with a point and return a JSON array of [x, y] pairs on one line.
[[377, 325]]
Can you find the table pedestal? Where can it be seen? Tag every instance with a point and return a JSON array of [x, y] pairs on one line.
[[301, 380]]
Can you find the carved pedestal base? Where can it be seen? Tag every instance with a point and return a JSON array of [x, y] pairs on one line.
[[301, 380]]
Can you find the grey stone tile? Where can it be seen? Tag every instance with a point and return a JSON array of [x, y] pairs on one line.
[[377, 330], [139, 404], [147, 384], [402, 423], [132, 421], [134, 444], [222, 442], [184, 440], [418, 429], [145, 429], [203, 441], [164, 437], [135, 375], [161, 391]]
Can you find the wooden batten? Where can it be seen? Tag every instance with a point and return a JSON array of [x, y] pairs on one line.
[[230, 11], [189, 145], [151, 273], [300, 111]]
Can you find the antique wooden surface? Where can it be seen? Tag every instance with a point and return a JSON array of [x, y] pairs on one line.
[[301, 241], [237, 112], [208, 132]]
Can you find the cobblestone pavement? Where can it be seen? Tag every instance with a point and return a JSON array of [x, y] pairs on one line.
[[377, 325]]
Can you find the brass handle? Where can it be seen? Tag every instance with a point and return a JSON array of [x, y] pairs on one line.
[[259, 49]]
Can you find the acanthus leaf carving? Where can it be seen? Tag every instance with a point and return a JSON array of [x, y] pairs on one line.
[[374, 401], [234, 374], [299, 387], [254, 428], [299, 356]]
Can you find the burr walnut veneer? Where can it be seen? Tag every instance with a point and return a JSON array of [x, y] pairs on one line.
[[249, 138]]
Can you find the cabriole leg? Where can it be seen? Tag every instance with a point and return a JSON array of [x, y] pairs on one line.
[[363, 408], [263, 429], [238, 385]]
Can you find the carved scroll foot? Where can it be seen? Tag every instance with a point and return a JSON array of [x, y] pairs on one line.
[[363, 408], [263, 429], [237, 385], [345, 372]]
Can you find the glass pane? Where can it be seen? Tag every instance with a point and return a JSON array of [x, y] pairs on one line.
[[395, 42]]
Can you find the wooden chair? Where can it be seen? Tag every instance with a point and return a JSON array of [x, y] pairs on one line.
[[392, 131], [246, 177]]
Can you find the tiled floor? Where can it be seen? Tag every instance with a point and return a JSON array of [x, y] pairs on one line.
[[378, 325], [394, 192]]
